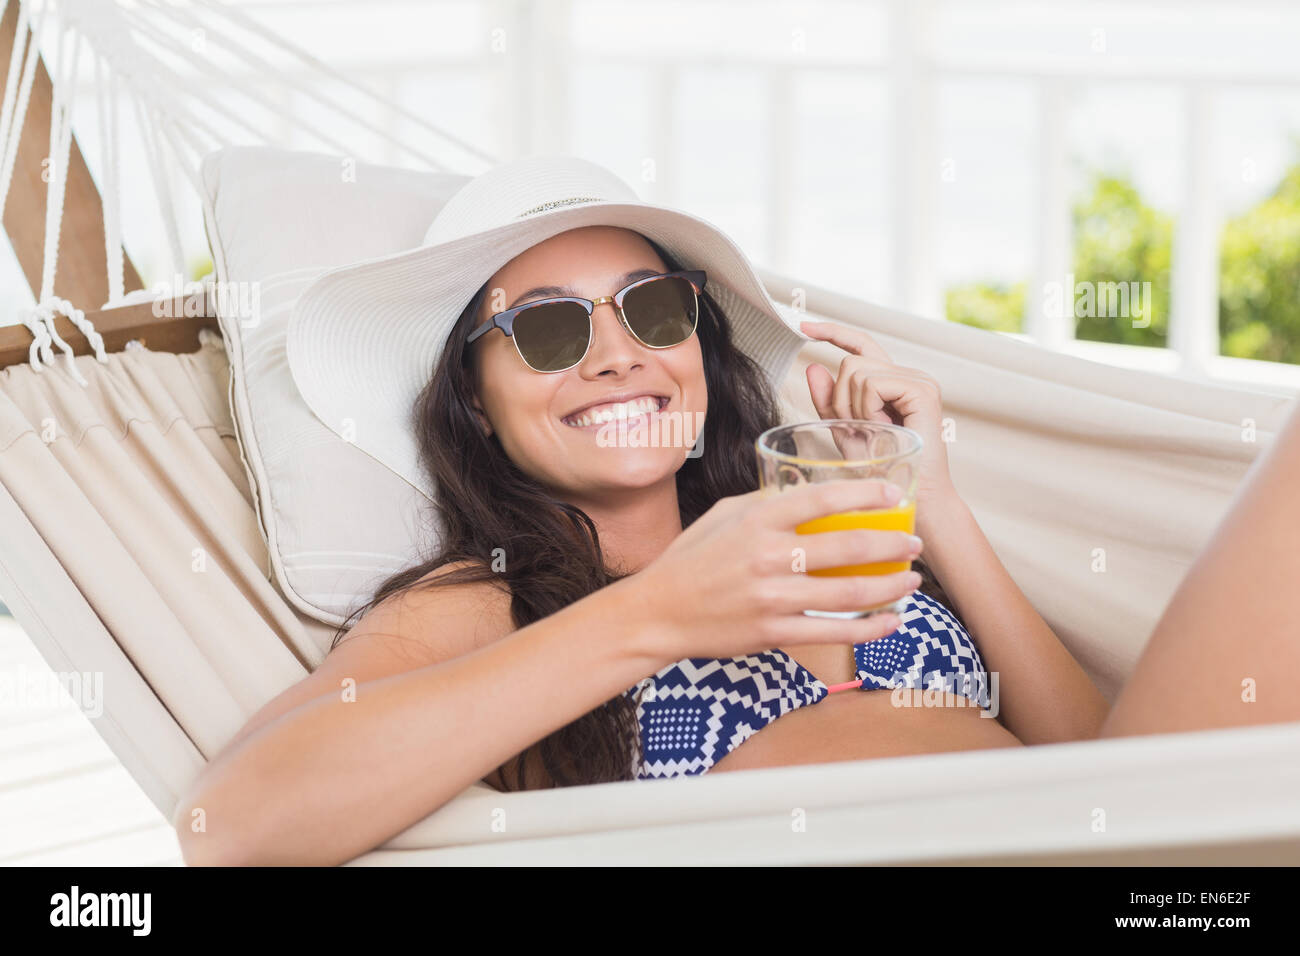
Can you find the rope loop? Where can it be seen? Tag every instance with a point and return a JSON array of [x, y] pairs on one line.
[[40, 321]]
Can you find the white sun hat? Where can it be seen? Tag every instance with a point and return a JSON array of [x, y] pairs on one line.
[[363, 340]]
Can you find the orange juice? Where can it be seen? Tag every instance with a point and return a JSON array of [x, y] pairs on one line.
[[897, 518]]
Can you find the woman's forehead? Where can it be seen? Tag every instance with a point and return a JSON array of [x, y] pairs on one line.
[[593, 251]]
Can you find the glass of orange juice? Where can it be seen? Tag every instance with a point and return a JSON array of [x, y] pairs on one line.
[[835, 449]]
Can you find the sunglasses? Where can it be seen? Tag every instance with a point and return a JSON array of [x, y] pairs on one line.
[[553, 335]]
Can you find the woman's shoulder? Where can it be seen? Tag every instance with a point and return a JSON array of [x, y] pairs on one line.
[[452, 617], [451, 567]]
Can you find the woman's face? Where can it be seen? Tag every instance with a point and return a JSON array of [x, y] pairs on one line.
[[527, 409]]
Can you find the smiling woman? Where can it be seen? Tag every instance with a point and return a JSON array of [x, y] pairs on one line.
[[526, 411], [627, 502], [567, 562], [654, 587], [609, 611]]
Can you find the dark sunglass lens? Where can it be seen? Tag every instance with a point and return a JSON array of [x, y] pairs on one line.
[[552, 337], [662, 312]]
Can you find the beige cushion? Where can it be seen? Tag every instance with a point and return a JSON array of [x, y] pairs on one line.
[[336, 522]]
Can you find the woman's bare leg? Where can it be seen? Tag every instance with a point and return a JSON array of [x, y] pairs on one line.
[[1226, 652]]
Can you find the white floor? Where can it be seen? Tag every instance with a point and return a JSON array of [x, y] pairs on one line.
[[64, 797]]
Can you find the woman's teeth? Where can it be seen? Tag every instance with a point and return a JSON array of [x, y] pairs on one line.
[[616, 410]]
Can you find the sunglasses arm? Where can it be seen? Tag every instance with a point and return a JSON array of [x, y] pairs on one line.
[[500, 321]]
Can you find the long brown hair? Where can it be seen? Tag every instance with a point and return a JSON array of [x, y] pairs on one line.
[[485, 503]]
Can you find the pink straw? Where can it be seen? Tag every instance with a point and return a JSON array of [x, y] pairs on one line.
[[849, 686]]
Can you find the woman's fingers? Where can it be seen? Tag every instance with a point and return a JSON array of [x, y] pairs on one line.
[[796, 505], [821, 386], [857, 592], [869, 386], [868, 399], [849, 338], [838, 549], [842, 396]]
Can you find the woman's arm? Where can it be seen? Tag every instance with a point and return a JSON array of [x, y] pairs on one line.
[[1044, 696], [332, 778], [1043, 693]]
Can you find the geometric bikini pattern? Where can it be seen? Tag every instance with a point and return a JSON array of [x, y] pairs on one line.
[[696, 711]]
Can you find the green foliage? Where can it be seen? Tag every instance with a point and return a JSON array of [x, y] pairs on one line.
[[1259, 277], [1119, 238], [199, 266], [151, 273], [1000, 308]]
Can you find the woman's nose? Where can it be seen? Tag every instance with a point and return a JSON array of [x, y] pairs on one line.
[[610, 340]]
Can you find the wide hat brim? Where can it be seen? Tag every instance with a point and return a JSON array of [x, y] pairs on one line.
[[363, 340]]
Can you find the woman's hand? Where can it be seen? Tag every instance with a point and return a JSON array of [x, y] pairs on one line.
[[732, 583], [871, 387]]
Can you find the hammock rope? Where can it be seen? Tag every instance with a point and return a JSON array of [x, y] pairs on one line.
[[185, 18], [108, 117], [15, 111], [313, 63], [166, 59]]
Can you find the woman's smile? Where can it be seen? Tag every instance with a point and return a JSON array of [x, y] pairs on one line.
[[643, 409]]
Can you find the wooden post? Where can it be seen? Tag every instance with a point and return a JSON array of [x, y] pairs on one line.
[[166, 326], [82, 275]]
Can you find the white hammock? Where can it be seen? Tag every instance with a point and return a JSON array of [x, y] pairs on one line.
[[91, 527]]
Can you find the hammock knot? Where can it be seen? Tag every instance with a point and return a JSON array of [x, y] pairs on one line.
[[40, 320]]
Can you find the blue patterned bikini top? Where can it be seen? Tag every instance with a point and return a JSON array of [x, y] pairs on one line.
[[695, 712]]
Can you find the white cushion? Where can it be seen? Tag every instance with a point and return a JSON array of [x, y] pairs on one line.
[[336, 522]]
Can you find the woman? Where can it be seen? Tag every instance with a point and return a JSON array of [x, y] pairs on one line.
[[607, 611]]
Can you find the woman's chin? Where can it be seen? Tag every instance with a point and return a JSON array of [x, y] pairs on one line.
[[634, 467]]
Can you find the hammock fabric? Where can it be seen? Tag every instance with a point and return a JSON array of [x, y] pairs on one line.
[[129, 545]]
